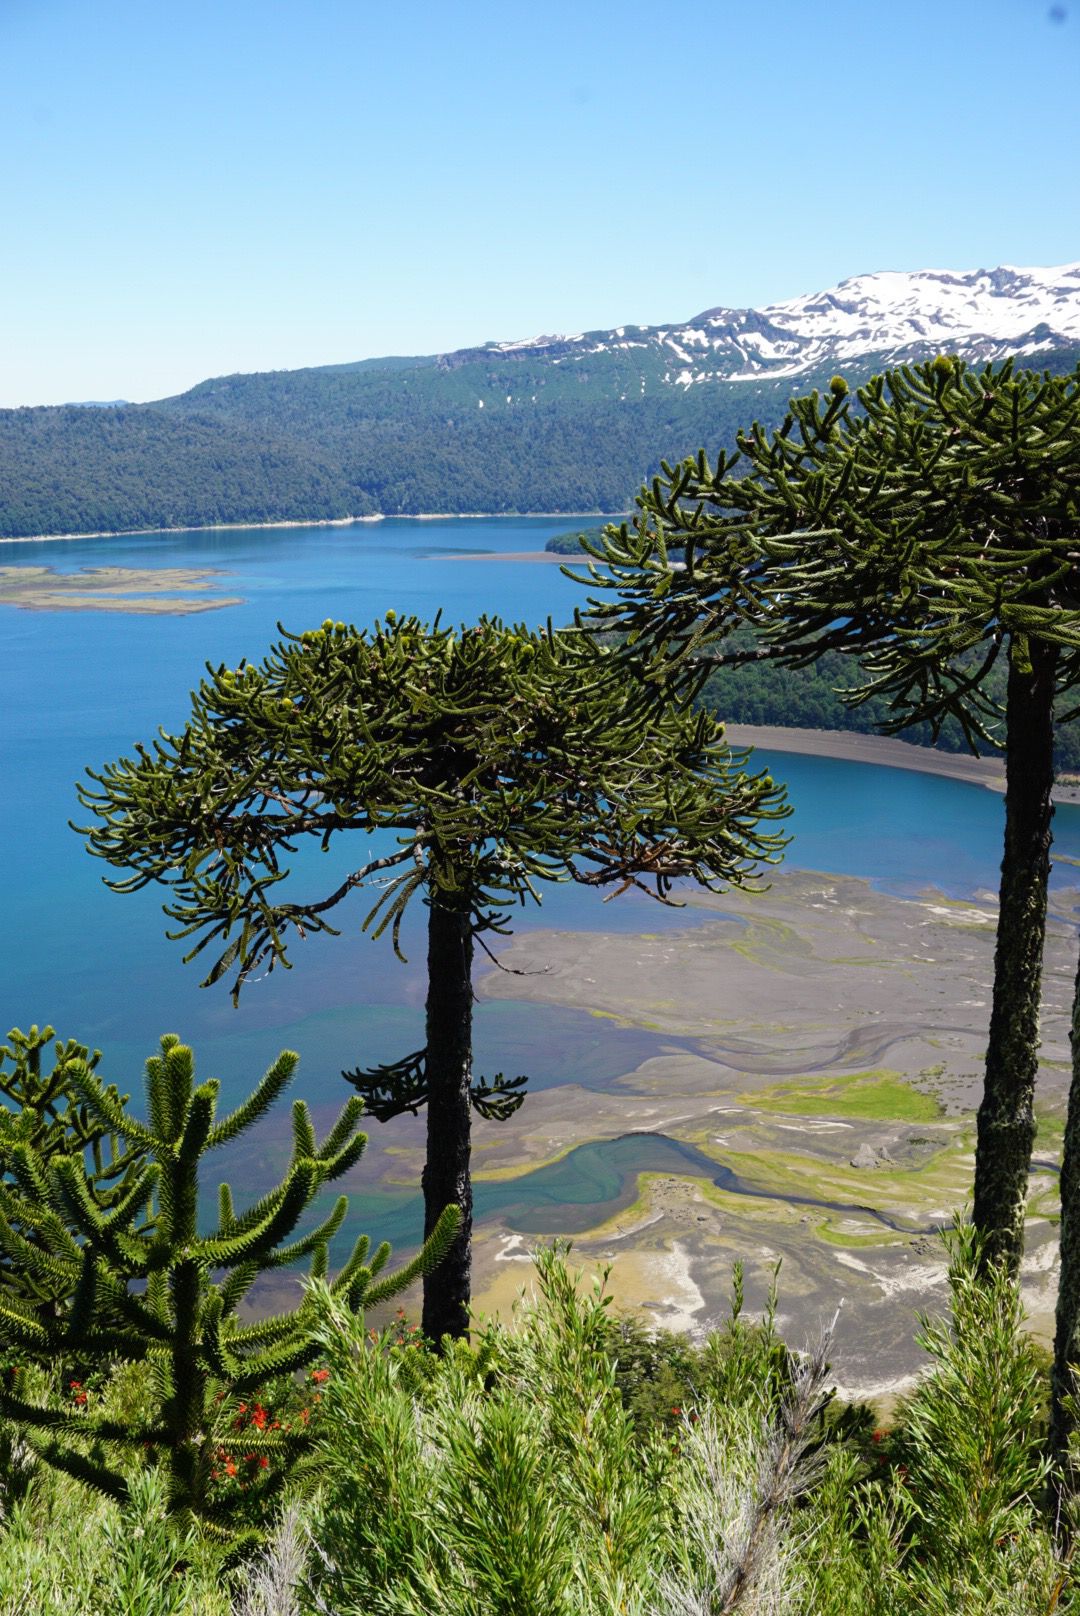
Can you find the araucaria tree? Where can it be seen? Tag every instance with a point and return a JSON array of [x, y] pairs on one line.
[[147, 1287], [930, 531], [42, 1110], [494, 758]]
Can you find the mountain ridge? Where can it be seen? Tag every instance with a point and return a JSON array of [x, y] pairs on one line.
[[546, 424], [890, 312]]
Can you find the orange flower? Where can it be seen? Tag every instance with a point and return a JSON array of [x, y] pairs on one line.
[[319, 1375]]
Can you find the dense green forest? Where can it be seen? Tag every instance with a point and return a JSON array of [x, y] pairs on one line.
[[570, 543], [483, 430]]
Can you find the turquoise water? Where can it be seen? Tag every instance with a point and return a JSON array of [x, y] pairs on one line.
[[595, 1181], [79, 688]]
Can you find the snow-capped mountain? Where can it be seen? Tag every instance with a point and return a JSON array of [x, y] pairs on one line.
[[893, 315], [550, 424]]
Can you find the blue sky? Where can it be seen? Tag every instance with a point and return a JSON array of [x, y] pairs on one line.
[[218, 185]]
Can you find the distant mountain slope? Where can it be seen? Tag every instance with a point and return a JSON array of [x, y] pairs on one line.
[[550, 424]]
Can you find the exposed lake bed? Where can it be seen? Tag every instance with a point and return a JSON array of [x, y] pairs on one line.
[[838, 1036]]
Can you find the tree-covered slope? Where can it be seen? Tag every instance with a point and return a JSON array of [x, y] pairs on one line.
[[75, 470], [555, 425]]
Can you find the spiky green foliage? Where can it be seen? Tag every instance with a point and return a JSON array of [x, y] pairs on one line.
[[153, 1289], [499, 757], [66, 1550], [930, 527], [520, 1475], [746, 1501], [952, 1523], [934, 512], [44, 1110]]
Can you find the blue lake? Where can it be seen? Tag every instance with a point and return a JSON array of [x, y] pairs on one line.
[[79, 688]]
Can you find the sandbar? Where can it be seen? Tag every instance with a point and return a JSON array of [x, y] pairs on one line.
[[176, 591], [543, 556], [888, 751]]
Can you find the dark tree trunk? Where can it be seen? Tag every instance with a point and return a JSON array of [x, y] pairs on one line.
[[1006, 1125], [448, 1069], [1066, 1382]]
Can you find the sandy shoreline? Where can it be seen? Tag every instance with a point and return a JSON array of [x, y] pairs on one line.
[[885, 750], [543, 556], [821, 1045]]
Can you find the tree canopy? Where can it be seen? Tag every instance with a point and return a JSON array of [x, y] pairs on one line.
[[497, 758]]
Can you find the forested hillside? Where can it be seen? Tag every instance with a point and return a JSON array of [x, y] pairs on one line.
[[350, 442], [494, 430]]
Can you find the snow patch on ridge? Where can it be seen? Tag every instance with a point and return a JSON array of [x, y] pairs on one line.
[[983, 313]]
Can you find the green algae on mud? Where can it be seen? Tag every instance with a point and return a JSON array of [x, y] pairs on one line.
[[881, 1094]]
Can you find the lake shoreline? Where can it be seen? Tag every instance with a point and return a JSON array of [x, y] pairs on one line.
[[889, 751], [325, 521]]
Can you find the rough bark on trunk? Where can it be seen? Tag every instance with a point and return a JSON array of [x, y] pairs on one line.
[[448, 1071], [1064, 1422], [1006, 1123]]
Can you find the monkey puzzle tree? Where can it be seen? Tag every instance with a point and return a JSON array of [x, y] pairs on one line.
[[930, 532], [147, 1287], [42, 1109], [495, 759]]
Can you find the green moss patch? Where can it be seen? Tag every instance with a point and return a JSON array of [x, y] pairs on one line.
[[881, 1095]]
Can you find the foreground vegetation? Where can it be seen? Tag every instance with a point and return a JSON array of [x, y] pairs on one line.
[[575, 1464]]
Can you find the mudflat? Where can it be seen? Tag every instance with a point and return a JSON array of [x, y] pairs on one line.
[[826, 1047]]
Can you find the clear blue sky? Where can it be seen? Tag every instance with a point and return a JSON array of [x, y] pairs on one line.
[[192, 187]]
